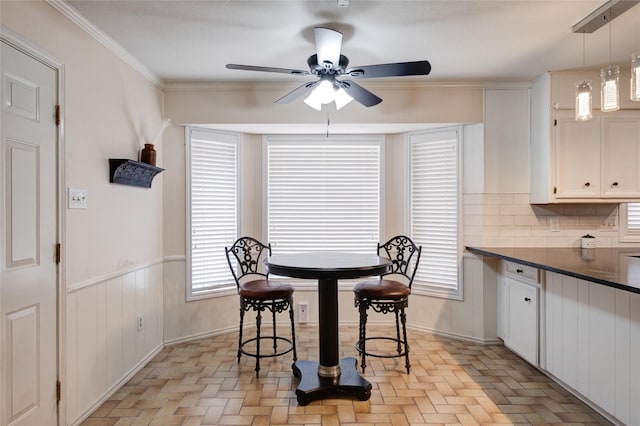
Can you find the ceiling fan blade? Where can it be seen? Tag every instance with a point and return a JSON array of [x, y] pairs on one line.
[[296, 93], [267, 69], [328, 43], [397, 69], [359, 93]]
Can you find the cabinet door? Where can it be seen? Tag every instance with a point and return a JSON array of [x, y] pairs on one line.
[[620, 146], [577, 149], [522, 333]]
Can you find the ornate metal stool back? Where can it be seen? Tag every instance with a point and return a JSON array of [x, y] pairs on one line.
[[259, 293], [389, 294]]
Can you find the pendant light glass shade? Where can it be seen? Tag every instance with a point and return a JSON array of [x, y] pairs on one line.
[[584, 101], [584, 98], [609, 88], [635, 77]]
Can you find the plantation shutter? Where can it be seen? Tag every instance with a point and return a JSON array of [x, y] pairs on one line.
[[213, 204], [633, 218], [323, 194], [434, 210]]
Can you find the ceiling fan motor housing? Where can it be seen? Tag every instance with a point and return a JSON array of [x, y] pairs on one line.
[[327, 67]]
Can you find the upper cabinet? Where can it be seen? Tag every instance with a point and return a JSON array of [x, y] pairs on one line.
[[596, 161]]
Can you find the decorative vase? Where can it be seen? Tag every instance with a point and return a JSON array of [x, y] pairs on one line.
[[148, 154]]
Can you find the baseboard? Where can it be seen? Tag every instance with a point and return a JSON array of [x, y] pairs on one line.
[[457, 336], [116, 386], [193, 337]]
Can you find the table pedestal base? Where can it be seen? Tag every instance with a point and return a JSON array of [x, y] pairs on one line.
[[312, 386]]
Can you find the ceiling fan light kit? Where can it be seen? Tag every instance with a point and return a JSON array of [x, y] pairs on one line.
[[325, 93], [328, 64]]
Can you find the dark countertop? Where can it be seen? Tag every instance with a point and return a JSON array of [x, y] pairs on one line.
[[614, 267]]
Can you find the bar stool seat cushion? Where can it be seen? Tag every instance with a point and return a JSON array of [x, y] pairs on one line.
[[382, 289], [265, 289]]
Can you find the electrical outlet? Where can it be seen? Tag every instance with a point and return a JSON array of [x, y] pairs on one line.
[[139, 322], [554, 223], [303, 315]]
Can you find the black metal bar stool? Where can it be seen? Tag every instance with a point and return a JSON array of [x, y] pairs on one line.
[[389, 293], [259, 293]]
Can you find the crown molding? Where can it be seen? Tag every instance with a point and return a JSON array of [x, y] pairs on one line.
[[72, 14]]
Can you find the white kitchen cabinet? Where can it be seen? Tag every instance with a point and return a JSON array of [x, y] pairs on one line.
[[577, 157], [571, 162], [518, 309], [620, 153], [592, 343]]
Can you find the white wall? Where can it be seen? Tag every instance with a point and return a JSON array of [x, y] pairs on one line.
[[244, 104], [215, 104], [112, 251]]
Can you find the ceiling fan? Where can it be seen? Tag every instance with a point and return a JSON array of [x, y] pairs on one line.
[[329, 65]]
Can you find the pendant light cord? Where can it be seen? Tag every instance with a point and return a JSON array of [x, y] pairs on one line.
[[609, 36], [583, 49]]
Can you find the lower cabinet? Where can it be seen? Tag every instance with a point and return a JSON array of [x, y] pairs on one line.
[[592, 343], [518, 309]]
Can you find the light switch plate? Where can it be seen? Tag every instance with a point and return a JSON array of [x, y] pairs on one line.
[[78, 198]]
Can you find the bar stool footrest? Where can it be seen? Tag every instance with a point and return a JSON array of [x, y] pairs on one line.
[[268, 346], [396, 354]]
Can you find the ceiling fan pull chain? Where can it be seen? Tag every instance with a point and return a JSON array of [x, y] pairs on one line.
[[328, 122]]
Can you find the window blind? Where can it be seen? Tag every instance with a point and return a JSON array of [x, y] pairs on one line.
[[213, 202], [434, 210], [323, 194], [633, 218]]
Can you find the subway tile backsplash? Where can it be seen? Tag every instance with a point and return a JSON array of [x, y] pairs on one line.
[[508, 220]]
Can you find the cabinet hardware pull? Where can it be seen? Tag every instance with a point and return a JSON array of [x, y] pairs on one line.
[[527, 299], [519, 271], [587, 184], [614, 184]]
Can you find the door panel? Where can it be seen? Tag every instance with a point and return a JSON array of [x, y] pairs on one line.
[[28, 280], [577, 145], [621, 155], [21, 213]]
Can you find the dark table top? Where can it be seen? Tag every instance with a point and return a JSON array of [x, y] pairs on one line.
[[614, 267], [325, 264]]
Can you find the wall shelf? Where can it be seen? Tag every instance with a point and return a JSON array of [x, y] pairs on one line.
[[133, 173]]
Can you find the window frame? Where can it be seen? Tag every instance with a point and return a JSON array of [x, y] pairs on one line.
[[424, 288], [234, 139]]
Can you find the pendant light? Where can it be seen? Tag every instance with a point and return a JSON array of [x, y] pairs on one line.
[[635, 77], [610, 81], [584, 99]]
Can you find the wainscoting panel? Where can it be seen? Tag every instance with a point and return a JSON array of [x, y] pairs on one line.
[[114, 326]]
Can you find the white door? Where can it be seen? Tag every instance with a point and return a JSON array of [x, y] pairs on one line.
[[28, 279]]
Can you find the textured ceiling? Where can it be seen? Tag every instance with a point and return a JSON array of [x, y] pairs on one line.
[[465, 41], [474, 41]]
